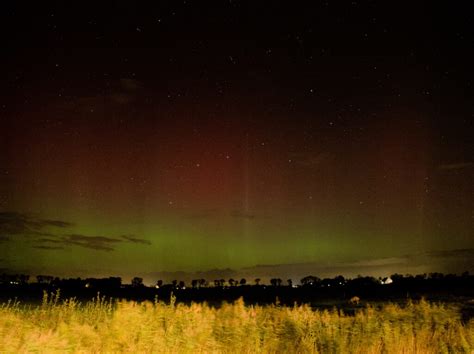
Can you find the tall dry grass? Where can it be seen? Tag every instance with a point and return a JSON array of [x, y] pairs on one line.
[[102, 326]]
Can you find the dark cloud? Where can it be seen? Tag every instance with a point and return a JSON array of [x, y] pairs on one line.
[[133, 239], [455, 166], [13, 223], [49, 240], [49, 247], [92, 242], [382, 262], [24, 224], [58, 223], [99, 243], [463, 252]]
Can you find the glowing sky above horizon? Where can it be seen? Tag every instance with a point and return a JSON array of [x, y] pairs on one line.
[[186, 137]]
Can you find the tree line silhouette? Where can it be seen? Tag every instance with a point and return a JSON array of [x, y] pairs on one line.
[[308, 281], [309, 287]]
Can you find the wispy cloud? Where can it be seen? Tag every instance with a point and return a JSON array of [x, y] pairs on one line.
[[57, 223], [457, 253], [134, 239], [98, 243], [101, 243], [13, 223], [51, 234], [49, 247], [49, 240], [380, 262], [456, 165]]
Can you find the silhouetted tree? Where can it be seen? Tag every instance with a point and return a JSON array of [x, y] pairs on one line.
[[56, 281], [290, 282], [275, 281], [219, 282], [436, 275], [396, 278], [174, 283], [21, 279], [159, 283], [181, 285], [310, 280], [44, 279], [232, 282], [137, 282], [339, 280], [202, 283], [420, 277], [243, 281], [364, 282], [326, 282], [257, 281], [194, 283], [112, 282]]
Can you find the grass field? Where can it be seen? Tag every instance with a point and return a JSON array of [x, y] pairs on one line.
[[101, 326]]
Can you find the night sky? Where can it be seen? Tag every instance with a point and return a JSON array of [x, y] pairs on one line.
[[236, 136]]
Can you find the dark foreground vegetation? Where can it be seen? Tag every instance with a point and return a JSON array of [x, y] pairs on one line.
[[411, 314], [113, 326]]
